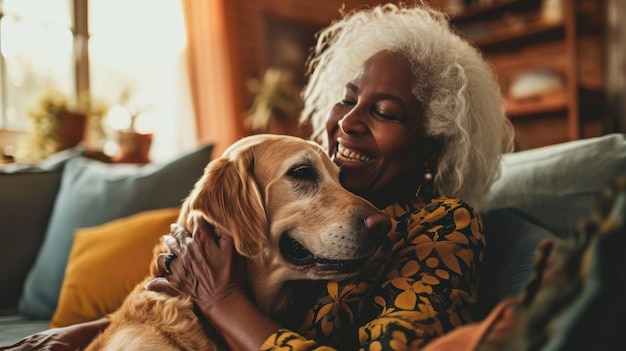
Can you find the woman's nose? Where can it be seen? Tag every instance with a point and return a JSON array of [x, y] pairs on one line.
[[353, 122]]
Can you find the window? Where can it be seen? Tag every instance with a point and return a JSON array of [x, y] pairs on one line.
[[36, 43], [124, 52]]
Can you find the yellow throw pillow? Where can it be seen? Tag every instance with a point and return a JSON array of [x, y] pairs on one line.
[[106, 262]]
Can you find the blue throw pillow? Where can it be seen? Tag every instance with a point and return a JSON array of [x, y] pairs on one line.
[[93, 193]]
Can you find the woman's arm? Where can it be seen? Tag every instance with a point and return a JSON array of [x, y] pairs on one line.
[[70, 338], [242, 325]]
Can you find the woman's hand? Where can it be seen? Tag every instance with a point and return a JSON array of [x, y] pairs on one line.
[[206, 267], [70, 338]]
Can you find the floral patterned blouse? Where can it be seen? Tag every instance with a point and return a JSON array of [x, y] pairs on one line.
[[419, 286]]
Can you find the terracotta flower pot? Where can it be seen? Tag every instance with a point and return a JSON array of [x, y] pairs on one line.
[[134, 147], [71, 129]]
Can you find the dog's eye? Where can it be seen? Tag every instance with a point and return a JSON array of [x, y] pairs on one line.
[[302, 172], [305, 178]]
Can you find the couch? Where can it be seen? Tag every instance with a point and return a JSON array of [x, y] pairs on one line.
[[78, 234]]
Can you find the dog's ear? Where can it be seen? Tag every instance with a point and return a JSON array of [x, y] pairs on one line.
[[228, 196]]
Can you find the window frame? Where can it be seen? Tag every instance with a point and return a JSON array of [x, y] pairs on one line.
[[80, 51]]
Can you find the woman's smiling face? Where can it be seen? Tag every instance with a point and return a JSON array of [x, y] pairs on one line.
[[376, 133]]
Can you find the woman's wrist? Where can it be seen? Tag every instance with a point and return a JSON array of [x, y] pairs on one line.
[[236, 313]]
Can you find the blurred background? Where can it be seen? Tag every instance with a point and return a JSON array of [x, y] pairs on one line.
[[146, 80]]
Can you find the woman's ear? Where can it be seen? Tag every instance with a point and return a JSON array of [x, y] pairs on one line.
[[432, 153]]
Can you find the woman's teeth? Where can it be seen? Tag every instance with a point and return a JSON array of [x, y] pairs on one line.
[[345, 154]]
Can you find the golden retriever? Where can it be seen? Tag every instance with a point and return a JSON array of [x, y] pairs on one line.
[[281, 200]]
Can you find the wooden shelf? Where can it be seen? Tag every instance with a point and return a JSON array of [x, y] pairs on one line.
[[518, 32], [536, 105], [517, 37], [478, 12]]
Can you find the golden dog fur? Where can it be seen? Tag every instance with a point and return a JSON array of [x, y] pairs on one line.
[[263, 191]]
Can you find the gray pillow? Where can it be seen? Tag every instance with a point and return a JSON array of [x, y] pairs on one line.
[[27, 193], [557, 184], [93, 193]]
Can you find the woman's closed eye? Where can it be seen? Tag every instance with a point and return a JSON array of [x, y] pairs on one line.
[[384, 115], [347, 102], [377, 112]]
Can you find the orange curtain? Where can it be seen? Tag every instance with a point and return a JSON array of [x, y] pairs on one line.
[[214, 74]]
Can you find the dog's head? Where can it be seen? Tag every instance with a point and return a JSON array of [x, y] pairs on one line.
[[281, 200]]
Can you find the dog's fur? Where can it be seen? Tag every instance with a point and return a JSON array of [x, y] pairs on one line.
[[276, 195]]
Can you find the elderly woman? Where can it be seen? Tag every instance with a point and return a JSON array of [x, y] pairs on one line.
[[412, 115]]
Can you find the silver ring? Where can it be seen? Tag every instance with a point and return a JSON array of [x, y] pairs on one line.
[[167, 261]]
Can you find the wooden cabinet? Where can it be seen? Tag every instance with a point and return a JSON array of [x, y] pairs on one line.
[[549, 59]]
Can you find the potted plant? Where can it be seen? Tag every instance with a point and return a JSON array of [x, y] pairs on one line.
[[277, 104], [134, 146], [55, 125]]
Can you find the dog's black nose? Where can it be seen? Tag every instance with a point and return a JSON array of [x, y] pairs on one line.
[[378, 223]]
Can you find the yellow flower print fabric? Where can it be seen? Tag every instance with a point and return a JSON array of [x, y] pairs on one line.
[[421, 284]]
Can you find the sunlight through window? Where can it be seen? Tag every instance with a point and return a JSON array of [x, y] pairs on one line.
[[136, 62]]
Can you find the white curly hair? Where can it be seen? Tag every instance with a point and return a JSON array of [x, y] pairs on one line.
[[456, 86]]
